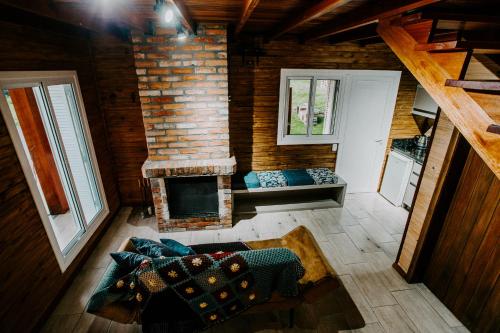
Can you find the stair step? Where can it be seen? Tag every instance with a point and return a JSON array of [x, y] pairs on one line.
[[458, 45], [487, 85], [494, 128]]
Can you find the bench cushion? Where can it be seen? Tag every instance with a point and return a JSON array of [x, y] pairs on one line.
[[271, 179], [298, 177], [251, 180]]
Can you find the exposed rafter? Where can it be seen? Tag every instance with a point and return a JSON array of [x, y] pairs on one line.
[[369, 13], [311, 13], [248, 8], [183, 15], [365, 32]]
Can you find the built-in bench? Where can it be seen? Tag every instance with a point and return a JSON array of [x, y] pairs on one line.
[[297, 189]]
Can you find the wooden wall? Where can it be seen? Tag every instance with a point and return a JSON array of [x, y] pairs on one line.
[[119, 100], [254, 98], [30, 276], [465, 264]]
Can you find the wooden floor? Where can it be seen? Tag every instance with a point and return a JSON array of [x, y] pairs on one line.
[[360, 240]]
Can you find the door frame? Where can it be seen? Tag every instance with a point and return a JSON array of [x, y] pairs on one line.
[[20, 79]]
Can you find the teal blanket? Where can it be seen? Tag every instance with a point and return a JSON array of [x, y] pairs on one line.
[[212, 287]]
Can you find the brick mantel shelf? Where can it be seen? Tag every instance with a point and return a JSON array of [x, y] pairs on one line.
[[186, 168]]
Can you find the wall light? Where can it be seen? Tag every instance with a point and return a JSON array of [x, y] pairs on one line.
[[181, 35]]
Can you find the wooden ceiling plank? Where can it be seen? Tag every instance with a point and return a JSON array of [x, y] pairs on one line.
[[364, 32], [309, 14], [183, 15], [248, 8], [369, 13]]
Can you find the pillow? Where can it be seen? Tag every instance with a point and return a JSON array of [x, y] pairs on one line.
[[128, 260], [323, 176], [179, 249], [151, 248], [251, 180], [271, 179], [297, 177]]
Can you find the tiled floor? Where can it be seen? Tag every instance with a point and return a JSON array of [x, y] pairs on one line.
[[360, 241]]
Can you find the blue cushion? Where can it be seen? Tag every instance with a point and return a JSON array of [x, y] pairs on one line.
[[251, 180], [178, 248], [128, 260], [297, 177], [151, 248], [271, 179]]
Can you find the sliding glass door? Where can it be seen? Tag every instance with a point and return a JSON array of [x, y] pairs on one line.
[[46, 119]]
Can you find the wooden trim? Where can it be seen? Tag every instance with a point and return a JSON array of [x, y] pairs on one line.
[[468, 116], [370, 13], [488, 85], [183, 15], [40, 152], [248, 8], [307, 15]]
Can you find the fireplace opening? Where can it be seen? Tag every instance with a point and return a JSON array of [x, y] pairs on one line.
[[190, 197]]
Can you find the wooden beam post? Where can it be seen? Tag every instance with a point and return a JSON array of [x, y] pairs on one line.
[[465, 113], [38, 145], [364, 32], [307, 15], [248, 8], [367, 14]]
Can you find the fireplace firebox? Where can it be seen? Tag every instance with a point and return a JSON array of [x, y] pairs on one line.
[[193, 197]]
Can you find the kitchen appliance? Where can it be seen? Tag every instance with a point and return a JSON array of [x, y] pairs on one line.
[[421, 141], [424, 105], [396, 177]]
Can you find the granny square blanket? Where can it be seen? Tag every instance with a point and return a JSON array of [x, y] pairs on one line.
[[214, 286]]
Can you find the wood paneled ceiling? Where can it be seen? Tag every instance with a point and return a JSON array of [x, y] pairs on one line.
[[307, 19]]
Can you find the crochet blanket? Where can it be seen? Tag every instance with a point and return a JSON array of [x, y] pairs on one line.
[[212, 287]]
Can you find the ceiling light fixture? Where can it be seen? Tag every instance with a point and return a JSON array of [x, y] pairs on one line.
[[168, 15]]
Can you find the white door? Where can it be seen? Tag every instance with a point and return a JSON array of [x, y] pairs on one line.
[[370, 105]]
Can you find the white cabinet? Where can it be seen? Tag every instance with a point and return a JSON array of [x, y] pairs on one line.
[[412, 184], [396, 178]]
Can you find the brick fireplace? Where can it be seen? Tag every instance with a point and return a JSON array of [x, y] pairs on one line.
[[183, 87]]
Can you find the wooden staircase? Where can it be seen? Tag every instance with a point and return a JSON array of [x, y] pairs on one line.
[[437, 48]]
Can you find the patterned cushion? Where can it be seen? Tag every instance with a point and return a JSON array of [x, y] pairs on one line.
[[271, 179], [323, 176]]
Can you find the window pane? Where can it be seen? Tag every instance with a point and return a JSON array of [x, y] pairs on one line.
[[45, 164], [299, 91], [324, 107], [75, 147]]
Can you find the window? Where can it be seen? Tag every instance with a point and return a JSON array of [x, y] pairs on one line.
[[309, 107], [46, 119]]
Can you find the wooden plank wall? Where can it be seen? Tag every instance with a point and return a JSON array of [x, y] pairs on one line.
[[465, 264], [254, 95], [31, 278], [119, 99]]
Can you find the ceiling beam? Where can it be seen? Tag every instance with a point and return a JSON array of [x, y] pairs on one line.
[[248, 8], [309, 14], [363, 32], [369, 13], [183, 15]]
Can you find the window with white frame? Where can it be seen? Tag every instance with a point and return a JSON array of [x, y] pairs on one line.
[[45, 116], [309, 106]]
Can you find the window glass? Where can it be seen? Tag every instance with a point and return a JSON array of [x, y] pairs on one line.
[[324, 107], [299, 93], [75, 148]]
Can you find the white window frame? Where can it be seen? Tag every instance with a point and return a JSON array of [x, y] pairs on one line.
[[314, 75], [18, 79]]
